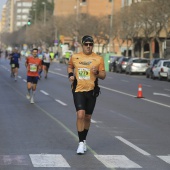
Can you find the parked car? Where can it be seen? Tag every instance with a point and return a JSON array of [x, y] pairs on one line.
[[121, 64], [160, 70], [112, 63], [168, 75], [137, 65], [153, 62]]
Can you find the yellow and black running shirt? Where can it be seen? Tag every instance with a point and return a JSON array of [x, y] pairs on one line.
[[82, 65]]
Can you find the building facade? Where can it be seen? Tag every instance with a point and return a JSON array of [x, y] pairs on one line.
[[9, 16], [91, 7], [3, 19], [21, 13]]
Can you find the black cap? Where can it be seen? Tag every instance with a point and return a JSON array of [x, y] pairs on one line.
[[87, 38]]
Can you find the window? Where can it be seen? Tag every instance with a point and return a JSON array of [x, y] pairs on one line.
[[18, 10], [18, 23], [24, 17], [25, 10], [18, 16], [19, 4], [83, 2], [26, 4]]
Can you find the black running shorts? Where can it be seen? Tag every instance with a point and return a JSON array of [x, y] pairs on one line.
[[32, 79], [84, 101]]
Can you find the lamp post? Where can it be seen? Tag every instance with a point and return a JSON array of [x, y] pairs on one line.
[[44, 12], [111, 25], [35, 17]]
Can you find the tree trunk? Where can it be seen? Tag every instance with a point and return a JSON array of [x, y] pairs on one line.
[[142, 49], [150, 49]]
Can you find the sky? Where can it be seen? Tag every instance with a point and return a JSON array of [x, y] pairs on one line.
[[2, 2]]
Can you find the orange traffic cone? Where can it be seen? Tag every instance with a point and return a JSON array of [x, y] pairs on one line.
[[140, 95]]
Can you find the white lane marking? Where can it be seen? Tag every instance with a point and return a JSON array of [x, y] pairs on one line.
[[42, 91], [151, 101], [165, 158], [167, 89], [125, 81], [57, 73], [132, 146], [117, 91], [93, 121], [161, 94], [161, 104], [146, 85], [48, 160], [19, 77], [117, 161], [59, 101], [24, 80]]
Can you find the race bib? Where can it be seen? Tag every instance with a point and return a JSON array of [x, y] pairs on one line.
[[84, 73], [13, 65], [33, 67]]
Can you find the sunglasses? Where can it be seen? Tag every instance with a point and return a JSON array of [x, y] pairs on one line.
[[88, 44]]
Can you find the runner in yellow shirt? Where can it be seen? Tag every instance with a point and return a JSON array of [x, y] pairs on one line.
[[84, 69]]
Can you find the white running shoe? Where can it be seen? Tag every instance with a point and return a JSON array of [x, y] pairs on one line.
[[28, 96], [85, 146], [80, 149], [32, 100]]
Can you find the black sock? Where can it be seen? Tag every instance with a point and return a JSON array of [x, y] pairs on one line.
[[81, 136], [85, 133]]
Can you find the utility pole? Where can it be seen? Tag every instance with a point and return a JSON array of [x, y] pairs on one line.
[[77, 23], [44, 12], [111, 25]]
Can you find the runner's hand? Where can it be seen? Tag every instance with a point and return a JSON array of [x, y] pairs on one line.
[[71, 79]]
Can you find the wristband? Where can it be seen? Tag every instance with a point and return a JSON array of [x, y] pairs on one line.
[[70, 74]]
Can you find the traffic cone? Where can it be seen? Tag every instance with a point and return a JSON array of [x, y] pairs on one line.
[[140, 95]]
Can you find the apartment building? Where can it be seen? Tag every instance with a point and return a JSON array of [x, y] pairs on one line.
[[15, 14], [21, 14], [9, 17], [3, 19], [92, 7]]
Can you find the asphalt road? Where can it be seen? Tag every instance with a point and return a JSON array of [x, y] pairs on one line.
[[126, 132]]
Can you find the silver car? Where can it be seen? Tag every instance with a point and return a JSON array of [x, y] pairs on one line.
[[160, 70], [168, 75], [137, 65]]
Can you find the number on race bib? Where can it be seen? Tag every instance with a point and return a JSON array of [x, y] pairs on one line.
[[84, 73], [33, 67]]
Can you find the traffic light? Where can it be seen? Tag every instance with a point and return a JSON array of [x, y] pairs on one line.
[[29, 22]]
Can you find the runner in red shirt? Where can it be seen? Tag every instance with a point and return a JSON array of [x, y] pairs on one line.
[[33, 65]]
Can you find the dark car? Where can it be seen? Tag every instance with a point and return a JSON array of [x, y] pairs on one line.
[[121, 64], [153, 62], [112, 62]]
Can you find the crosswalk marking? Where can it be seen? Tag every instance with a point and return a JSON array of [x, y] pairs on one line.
[[165, 158], [14, 160], [117, 161], [48, 160], [57, 160]]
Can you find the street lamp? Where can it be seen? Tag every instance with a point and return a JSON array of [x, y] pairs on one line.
[[111, 26], [35, 17], [44, 12]]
